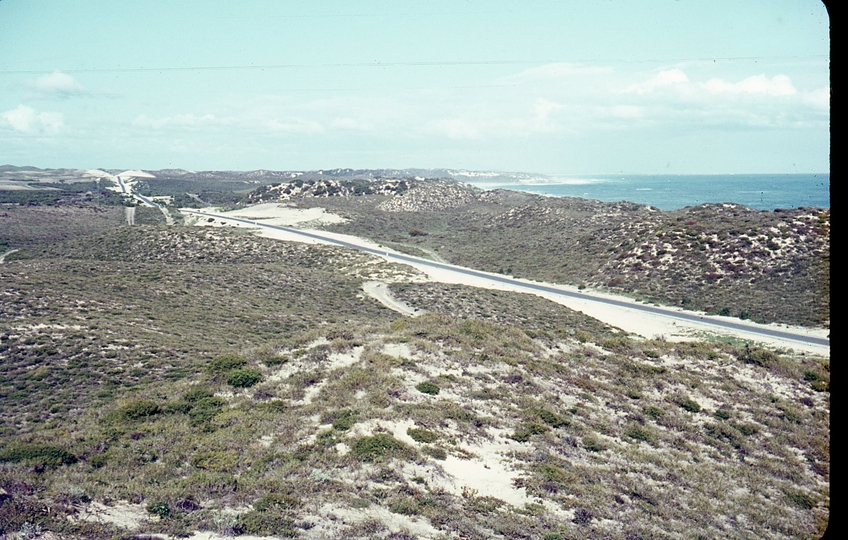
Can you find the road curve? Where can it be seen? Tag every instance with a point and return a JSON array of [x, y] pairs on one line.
[[749, 328]]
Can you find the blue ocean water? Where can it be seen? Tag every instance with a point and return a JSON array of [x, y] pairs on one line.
[[670, 192]]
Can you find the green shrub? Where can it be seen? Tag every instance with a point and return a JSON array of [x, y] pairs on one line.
[[215, 461], [275, 360], [639, 433], [44, 455], [592, 444], [722, 414], [276, 405], [725, 433], [196, 393], [380, 447], [98, 461], [140, 409], [345, 420], [226, 362], [552, 473], [422, 435], [800, 499], [406, 506], [746, 429], [263, 524], [202, 411], [428, 388], [244, 378], [276, 501], [759, 357], [689, 405], [653, 412], [553, 419], [160, 509], [435, 452]]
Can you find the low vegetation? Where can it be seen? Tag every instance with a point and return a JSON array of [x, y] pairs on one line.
[[201, 379]]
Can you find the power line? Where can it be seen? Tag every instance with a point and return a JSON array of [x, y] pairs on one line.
[[441, 63]]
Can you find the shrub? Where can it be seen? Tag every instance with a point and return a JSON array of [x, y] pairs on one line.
[[275, 360], [422, 435], [276, 501], [202, 412], [722, 414], [436, 453], [244, 378], [553, 419], [215, 461], [226, 362], [139, 409], [380, 447], [689, 405], [259, 523], [653, 412], [592, 444], [345, 420], [160, 509], [800, 499], [757, 356], [582, 516], [196, 393], [44, 455], [98, 461], [428, 388], [638, 433]]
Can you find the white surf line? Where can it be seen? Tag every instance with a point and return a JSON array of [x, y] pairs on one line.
[[629, 315]]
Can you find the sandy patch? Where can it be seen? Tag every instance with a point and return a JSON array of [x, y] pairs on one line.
[[380, 292], [280, 214], [3, 255], [332, 519], [123, 514]]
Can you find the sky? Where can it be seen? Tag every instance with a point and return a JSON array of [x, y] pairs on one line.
[[551, 87]]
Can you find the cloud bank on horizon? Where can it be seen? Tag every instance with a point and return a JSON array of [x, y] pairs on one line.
[[551, 87]]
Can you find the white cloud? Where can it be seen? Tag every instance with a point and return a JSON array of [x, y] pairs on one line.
[[541, 117], [28, 120], [295, 125], [660, 80], [818, 98], [779, 85], [56, 84], [351, 124]]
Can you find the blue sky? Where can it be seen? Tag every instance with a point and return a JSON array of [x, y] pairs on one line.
[[556, 87]]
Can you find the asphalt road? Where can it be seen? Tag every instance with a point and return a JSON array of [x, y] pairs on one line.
[[536, 287]]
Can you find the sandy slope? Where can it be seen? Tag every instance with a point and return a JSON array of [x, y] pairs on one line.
[[630, 320]]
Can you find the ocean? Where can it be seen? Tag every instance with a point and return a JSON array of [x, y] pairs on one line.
[[671, 192]]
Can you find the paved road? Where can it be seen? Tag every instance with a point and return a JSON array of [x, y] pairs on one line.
[[537, 287]]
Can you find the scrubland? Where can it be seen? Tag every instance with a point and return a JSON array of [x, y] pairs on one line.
[[168, 380]]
